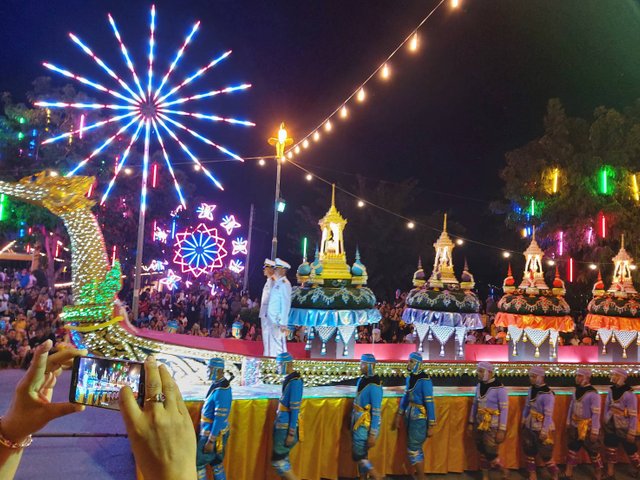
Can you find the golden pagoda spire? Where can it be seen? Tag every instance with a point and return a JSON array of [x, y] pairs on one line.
[[332, 252], [442, 273], [622, 283]]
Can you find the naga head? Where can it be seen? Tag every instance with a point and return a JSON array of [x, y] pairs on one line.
[[58, 194]]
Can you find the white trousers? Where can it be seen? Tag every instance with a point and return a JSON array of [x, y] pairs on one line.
[[276, 340], [266, 332]]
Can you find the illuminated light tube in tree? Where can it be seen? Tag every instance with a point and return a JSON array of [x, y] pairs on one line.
[[81, 129], [556, 173], [154, 176], [570, 269], [634, 188], [560, 243], [590, 236], [113, 255], [2, 200], [604, 183], [532, 208], [603, 225]]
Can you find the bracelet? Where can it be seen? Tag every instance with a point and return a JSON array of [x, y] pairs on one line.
[[13, 445]]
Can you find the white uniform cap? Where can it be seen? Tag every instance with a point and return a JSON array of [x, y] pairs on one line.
[[269, 263], [282, 264]]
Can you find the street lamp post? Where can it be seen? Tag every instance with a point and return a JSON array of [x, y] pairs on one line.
[[280, 142]]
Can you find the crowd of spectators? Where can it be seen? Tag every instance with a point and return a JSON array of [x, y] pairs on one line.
[[29, 315]]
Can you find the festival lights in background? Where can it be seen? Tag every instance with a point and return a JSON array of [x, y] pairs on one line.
[[147, 111], [212, 244]]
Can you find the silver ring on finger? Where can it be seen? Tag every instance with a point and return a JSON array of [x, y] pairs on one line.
[[157, 398]]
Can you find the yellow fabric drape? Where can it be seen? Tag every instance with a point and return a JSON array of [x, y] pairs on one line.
[[326, 452]]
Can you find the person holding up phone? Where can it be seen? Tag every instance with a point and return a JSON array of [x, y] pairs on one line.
[[31, 408], [214, 423], [160, 432]]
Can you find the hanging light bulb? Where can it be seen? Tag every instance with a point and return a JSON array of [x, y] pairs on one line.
[[344, 112], [360, 203], [361, 95], [297, 149], [261, 162], [309, 177], [328, 126], [411, 225], [290, 155], [305, 143], [455, 3], [413, 43], [316, 136], [385, 71]]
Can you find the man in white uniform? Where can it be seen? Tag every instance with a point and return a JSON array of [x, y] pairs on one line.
[[278, 309], [268, 269]]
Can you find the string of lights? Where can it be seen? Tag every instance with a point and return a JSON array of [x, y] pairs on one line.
[[359, 94]]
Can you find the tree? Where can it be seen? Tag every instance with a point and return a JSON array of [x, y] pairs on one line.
[[576, 173]]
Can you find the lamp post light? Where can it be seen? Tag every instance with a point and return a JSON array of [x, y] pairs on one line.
[[280, 142]]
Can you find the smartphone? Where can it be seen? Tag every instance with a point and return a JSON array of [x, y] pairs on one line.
[[97, 381]]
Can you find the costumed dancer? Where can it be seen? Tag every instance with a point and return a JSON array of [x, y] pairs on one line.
[[537, 422], [268, 270], [214, 423], [583, 424], [365, 417], [620, 419], [488, 419], [278, 309], [418, 409], [285, 431]]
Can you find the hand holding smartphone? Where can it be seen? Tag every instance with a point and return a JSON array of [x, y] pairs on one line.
[[97, 381]]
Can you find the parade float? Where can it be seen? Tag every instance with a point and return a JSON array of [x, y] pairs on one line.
[[441, 308], [332, 298], [533, 313], [615, 313]]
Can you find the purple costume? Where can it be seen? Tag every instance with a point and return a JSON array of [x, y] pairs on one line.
[[583, 421], [537, 434], [620, 421], [488, 416]]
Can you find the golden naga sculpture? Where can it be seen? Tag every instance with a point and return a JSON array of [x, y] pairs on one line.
[[95, 318]]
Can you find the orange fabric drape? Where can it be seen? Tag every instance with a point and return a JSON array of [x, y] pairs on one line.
[[562, 324], [594, 322]]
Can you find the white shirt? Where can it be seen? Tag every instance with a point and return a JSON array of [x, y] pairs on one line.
[[279, 301], [264, 300]]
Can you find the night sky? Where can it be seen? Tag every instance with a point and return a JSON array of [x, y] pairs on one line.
[[477, 88]]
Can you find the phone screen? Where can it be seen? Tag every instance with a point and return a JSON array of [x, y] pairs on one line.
[[97, 381]]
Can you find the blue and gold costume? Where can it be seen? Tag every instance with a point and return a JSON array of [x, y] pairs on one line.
[[214, 424], [418, 409], [287, 417], [365, 417]]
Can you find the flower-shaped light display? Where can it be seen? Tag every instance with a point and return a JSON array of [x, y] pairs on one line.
[[199, 251]]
